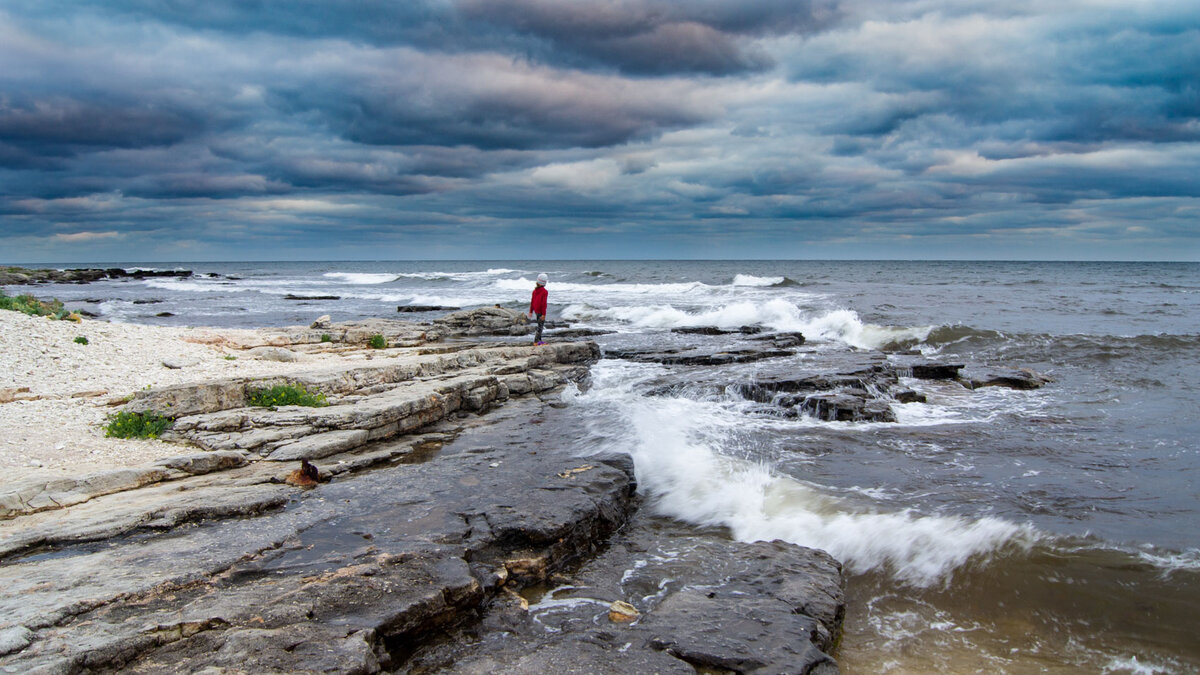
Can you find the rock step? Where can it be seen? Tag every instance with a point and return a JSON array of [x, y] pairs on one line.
[[342, 580], [207, 485], [40, 494], [294, 432], [231, 431], [217, 395]]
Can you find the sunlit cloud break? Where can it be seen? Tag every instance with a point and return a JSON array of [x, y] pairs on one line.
[[86, 236]]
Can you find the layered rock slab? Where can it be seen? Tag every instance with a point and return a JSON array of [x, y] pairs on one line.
[[337, 580], [371, 404]]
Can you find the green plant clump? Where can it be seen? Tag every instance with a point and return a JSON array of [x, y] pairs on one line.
[[81, 340], [136, 425], [284, 394], [326, 337], [30, 305], [377, 341]]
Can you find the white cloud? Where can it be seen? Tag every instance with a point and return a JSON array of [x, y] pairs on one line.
[[76, 237], [579, 176]]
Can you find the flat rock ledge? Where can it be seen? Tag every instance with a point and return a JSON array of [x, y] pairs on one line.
[[381, 566], [368, 404]]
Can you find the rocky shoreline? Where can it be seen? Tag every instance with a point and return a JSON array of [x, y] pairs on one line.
[[399, 529], [17, 276], [434, 516]]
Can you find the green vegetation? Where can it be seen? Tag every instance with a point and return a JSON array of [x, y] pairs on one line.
[[326, 337], [81, 340], [231, 358], [33, 307], [284, 394], [377, 341], [136, 425]]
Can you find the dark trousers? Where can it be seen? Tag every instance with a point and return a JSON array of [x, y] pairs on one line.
[[541, 323]]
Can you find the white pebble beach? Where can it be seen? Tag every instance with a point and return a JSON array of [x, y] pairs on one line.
[[64, 390]]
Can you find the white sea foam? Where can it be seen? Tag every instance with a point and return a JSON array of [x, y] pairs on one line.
[[676, 445], [691, 287], [453, 300], [366, 278], [1169, 562], [1133, 666], [929, 415], [839, 325], [169, 284], [748, 280], [456, 276]]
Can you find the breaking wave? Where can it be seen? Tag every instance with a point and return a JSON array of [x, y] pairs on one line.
[[526, 285], [194, 286], [840, 325], [768, 282], [748, 280], [383, 278], [680, 449], [361, 277]]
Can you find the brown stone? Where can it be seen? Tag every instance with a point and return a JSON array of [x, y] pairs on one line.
[[622, 612]]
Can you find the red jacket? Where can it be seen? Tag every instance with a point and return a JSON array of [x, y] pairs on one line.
[[537, 304]]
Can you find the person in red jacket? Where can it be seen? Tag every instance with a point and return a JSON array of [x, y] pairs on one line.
[[537, 305]]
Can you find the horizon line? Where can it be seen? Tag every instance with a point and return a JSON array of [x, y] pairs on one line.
[[26, 265]]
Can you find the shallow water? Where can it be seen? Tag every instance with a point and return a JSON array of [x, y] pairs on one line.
[[1043, 531]]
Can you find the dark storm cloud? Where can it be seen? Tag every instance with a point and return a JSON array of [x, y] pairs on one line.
[[538, 113], [647, 37], [59, 126], [381, 22], [1117, 75], [307, 123]]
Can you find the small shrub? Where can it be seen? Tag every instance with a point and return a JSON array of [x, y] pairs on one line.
[[27, 304], [231, 358], [377, 341], [326, 337], [284, 394], [136, 425], [81, 340]]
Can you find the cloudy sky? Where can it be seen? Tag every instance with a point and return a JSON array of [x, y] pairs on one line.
[[140, 130]]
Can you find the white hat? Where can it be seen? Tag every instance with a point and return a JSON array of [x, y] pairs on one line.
[[542, 278]]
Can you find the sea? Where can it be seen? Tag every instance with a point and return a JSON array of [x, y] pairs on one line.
[[1052, 531]]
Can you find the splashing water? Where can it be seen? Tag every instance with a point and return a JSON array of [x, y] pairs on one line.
[[686, 454]]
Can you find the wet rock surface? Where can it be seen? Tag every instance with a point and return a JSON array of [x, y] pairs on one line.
[[1013, 378], [701, 602], [424, 308], [373, 570], [697, 356], [854, 386]]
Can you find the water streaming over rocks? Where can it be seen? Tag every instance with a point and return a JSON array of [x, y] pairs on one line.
[[992, 519]]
